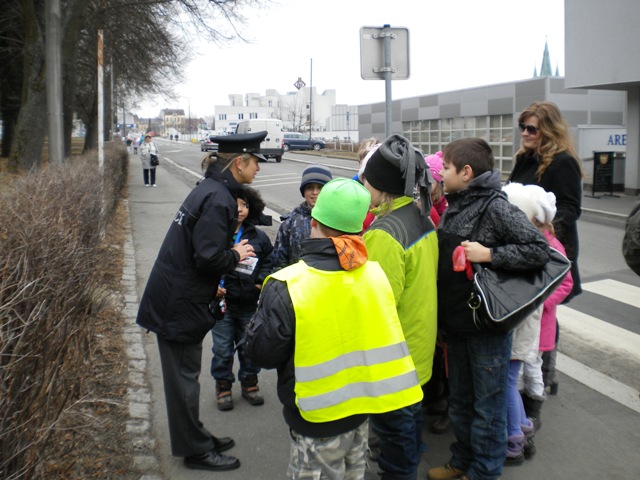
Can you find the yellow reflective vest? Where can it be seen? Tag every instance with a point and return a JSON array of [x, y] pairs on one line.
[[350, 353]]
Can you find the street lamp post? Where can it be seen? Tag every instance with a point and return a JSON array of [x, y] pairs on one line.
[[188, 116]]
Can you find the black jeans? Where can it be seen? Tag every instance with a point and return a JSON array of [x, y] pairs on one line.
[[145, 175]]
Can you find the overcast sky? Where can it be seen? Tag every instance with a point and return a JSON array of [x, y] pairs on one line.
[[453, 44]]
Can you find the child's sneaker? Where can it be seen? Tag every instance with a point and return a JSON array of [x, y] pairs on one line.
[[515, 451]]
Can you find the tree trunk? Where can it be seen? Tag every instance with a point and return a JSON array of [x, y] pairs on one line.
[[91, 137], [26, 150]]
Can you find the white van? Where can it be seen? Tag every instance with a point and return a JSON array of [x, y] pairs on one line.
[[272, 146]]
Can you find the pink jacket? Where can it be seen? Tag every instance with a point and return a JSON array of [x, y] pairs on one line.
[[548, 321]]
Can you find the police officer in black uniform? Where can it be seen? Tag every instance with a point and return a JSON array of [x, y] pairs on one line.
[[197, 250]]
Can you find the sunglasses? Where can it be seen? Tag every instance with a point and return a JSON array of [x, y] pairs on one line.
[[529, 128]]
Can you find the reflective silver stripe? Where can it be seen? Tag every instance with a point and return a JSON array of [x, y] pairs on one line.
[[360, 389], [353, 359]]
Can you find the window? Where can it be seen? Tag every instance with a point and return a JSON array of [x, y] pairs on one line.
[[497, 130], [240, 116], [222, 116], [253, 115]]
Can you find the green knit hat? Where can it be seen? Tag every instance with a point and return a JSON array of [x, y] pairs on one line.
[[342, 205]]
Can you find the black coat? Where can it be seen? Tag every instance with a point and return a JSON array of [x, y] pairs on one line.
[[563, 178], [195, 253], [516, 244], [241, 287]]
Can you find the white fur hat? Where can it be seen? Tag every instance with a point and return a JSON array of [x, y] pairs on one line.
[[533, 200]]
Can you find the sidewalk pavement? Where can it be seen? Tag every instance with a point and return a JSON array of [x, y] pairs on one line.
[[151, 211], [617, 206]]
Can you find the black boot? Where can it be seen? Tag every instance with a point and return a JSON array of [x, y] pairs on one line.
[[549, 373], [532, 407], [250, 391], [224, 400]]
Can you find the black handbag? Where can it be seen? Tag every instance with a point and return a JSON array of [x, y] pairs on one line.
[[502, 299], [154, 160]]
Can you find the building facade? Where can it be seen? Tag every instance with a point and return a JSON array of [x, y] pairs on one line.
[[300, 111], [601, 53], [173, 121], [491, 112]]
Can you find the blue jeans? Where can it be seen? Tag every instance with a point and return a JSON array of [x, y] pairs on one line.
[[400, 434], [516, 416], [478, 382], [226, 334]]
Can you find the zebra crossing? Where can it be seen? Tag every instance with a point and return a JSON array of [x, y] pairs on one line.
[[612, 343]]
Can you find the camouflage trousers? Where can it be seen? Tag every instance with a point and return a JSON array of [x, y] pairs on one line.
[[332, 458]]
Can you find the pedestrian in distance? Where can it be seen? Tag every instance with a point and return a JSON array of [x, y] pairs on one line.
[[136, 144], [239, 291], [147, 150], [534, 336], [547, 158], [198, 249], [296, 225], [631, 240], [402, 238], [478, 360], [329, 325]]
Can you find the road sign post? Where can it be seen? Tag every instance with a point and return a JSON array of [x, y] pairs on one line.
[[387, 60]]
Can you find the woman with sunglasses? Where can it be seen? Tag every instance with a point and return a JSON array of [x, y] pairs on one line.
[[548, 159]]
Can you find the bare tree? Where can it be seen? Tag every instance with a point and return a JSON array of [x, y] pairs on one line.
[[294, 113], [144, 43]]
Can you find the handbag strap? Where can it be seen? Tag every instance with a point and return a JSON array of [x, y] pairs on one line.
[[476, 227]]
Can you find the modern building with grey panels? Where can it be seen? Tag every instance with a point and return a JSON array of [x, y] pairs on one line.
[[491, 112]]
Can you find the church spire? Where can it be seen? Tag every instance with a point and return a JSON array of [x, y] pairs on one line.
[[545, 68]]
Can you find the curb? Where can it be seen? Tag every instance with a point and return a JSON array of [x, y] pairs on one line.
[[139, 425]]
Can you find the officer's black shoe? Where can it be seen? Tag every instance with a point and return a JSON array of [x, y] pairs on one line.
[[222, 444], [213, 461]]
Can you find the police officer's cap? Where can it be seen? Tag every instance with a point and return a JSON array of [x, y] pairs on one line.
[[241, 143]]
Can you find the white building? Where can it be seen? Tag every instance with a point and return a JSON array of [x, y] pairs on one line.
[[296, 109]]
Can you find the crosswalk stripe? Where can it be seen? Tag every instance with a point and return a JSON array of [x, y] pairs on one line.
[[598, 332], [619, 291], [600, 382], [263, 176], [269, 184]]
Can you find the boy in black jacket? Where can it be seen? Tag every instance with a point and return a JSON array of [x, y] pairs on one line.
[[239, 290], [478, 361]]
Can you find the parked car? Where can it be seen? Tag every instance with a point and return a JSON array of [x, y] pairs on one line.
[[300, 141], [208, 144]]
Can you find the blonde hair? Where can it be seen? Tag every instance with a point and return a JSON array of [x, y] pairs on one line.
[[226, 158], [437, 192], [386, 203], [556, 136], [365, 147]]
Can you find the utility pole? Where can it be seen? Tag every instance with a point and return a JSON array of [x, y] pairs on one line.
[[100, 106], [53, 69], [311, 99]]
